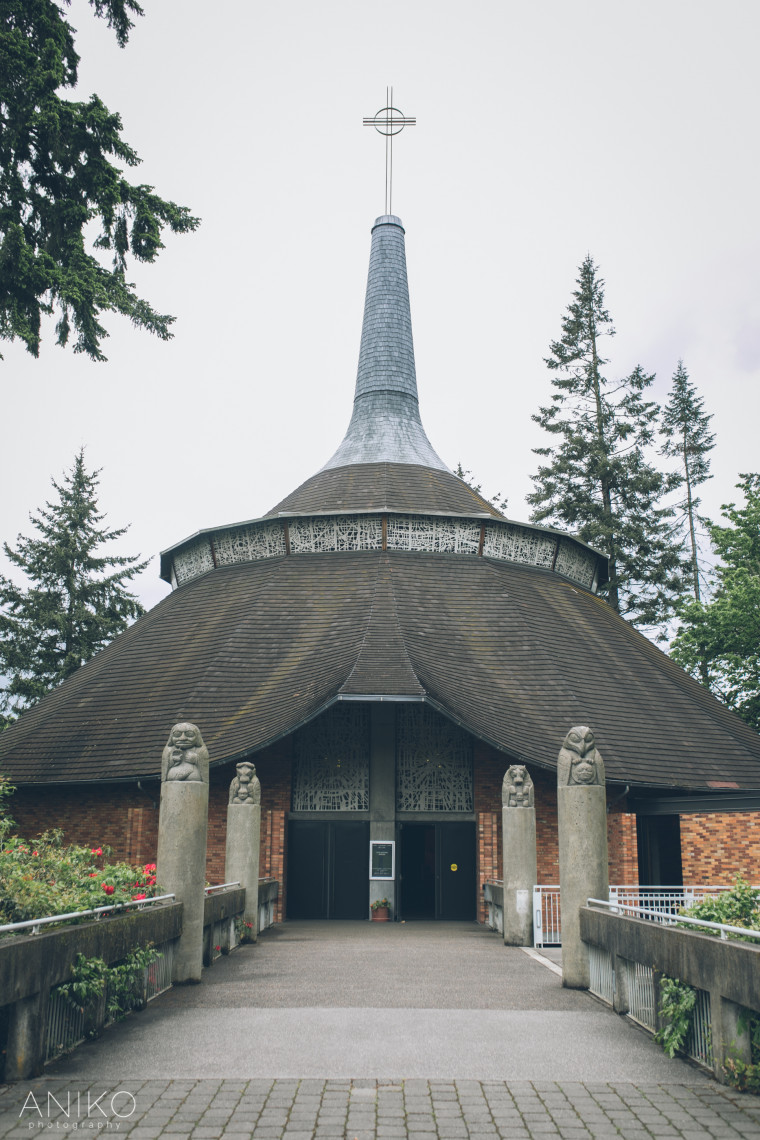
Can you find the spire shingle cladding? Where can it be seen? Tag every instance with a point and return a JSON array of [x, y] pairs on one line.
[[385, 426]]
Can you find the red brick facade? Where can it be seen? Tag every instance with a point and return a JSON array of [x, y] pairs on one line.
[[715, 847]]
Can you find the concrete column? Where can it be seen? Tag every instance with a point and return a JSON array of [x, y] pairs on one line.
[[27, 1033], [182, 828], [519, 869], [583, 867], [382, 790], [621, 1002], [729, 1038], [243, 838]]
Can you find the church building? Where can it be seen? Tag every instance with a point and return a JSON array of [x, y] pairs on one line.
[[383, 645]]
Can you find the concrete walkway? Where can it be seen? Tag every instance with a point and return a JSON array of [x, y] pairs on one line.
[[374, 1030]]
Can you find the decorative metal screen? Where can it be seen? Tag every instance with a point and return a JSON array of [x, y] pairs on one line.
[[332, 761], [339, 532], [433, 762], [442, 536], [192, 562], [575, 562], [249, 543], [319, 534], [519, 544]]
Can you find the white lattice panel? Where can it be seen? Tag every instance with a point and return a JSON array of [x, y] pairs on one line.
[[424, 533], [519, 544], [249, 543], [193, 561], [440, 535], [575, 562], [331, 771], [339, 532], [433, 762]]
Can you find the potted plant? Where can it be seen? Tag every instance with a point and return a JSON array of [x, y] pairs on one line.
[[380, 910]]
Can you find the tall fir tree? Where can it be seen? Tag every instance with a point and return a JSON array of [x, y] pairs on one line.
[[76, 601], [688, 439], [60, 175], [719, 641], [597, 479]]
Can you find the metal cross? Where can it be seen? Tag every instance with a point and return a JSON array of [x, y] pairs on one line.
[[389, 121]]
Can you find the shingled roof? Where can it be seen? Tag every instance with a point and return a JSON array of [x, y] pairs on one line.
[[383, 577], [254, 650]]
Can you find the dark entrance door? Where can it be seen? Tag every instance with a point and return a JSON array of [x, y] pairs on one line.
[[659, 850], [328, 869], [437, 871]]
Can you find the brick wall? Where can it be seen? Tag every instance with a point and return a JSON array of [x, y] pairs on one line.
[[717, 847], [112, 815], [489, 769], [123, 817], [622, 848]]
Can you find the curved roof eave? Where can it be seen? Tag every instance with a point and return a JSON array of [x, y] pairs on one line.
[[256, 649]]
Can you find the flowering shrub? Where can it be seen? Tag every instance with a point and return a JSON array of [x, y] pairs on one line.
[[47, 877]]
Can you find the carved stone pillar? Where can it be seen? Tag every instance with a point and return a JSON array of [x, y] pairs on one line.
[[243, 838], [583, 870], [182, 828], [519, 871]]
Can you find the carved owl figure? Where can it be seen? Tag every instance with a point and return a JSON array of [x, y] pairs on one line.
[[185, 756], [517, 789], [245, 787], [579, 762]]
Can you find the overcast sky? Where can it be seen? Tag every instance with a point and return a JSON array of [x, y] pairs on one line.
[[545, 131]]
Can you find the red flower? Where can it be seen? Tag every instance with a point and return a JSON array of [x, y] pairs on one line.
[[217, 947], [93, 874], [108, 888], [136, 897], [35, 852], [149, 867], [96, 851]]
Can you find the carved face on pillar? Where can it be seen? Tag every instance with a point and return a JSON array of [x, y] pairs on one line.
[[245, 787], [578, 761], [185, 756], [517, 789]]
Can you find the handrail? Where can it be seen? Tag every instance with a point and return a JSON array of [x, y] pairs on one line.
[[36, 923], [670, 919], [219, 887]]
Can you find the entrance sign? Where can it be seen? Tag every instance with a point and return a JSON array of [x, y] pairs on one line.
[[382, 859]]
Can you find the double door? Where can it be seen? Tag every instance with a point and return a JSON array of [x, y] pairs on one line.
[[328, 869], [437, 877]]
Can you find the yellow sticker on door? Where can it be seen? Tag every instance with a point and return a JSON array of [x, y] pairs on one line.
[[454, 867]]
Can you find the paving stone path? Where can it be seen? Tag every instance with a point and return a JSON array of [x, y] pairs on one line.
[[287, 1040], [370, 1109]]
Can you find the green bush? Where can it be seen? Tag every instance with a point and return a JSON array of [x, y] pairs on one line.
[[677, 1001], [740, 906]]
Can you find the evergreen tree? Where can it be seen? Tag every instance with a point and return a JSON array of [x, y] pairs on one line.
[[686, 428], [76, 602], [719, 643], [597, 480], [56, 176]]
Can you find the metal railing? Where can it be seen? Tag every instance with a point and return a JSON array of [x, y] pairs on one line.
[[601, 973], [220, 887], [659, 901], [641, 995], [666, 918], [547, 928], [98, 912]]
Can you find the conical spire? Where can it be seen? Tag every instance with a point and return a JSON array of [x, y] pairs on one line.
[[385, 426]]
